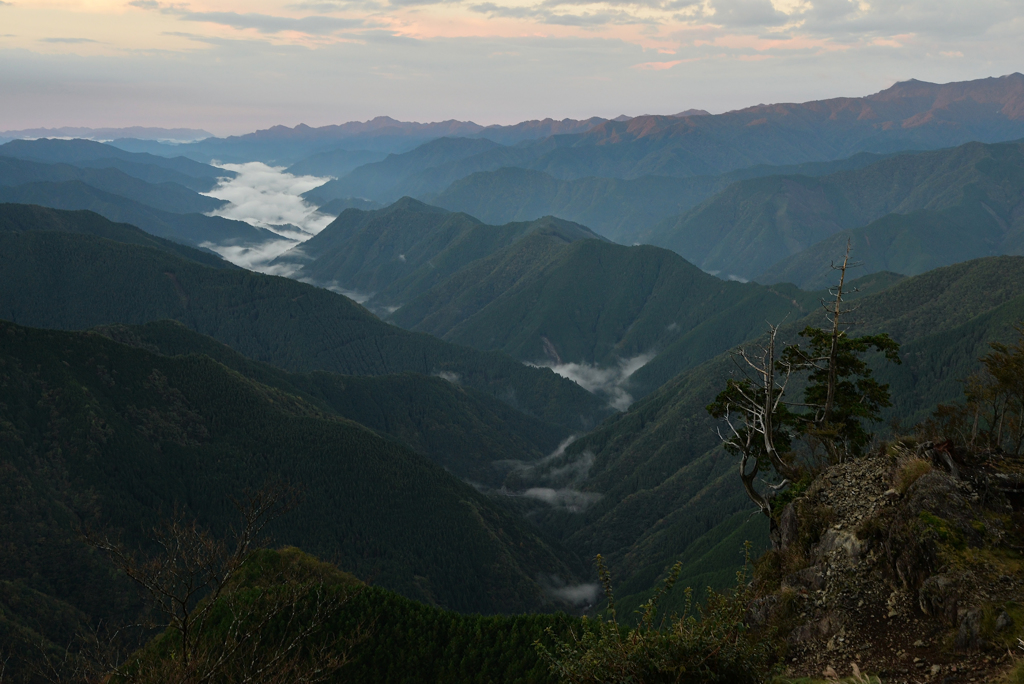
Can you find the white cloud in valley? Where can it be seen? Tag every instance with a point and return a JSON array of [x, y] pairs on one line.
[[557, 481], [256, 257], [610, 381], [269, 197]]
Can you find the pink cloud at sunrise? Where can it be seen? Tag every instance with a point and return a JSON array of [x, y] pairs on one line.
[[230, 65]]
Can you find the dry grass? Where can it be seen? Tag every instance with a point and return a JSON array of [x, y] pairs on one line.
[[908, 471]]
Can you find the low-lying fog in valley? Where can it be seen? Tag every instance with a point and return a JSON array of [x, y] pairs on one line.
[[267, 197], [270, 197], [610, 381]]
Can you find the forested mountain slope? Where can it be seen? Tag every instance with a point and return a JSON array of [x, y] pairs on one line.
[[334, 163], [395, 254], [96, 433], [471, 434], [656, 478], [16, 218], [391, 178], [615, 208], [758, 228], [165, 196], [190, 229], [88, 154], [408, 641], [981, 216], [544, 292], [62, 280], [597, 303]]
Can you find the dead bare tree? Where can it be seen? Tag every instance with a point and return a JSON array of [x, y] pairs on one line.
[[761, 423], [756, 417]]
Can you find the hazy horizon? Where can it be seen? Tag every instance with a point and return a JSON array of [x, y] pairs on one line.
[[231, 67]]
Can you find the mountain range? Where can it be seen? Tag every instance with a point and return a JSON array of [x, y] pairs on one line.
[[491, 366], [908, 213]]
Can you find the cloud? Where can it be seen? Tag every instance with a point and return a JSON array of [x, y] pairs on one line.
[[561, 482], [747, 13], [449, 376], [334, 6], [264, 23], [577, 594], [354, 295], [255, 257], [70, 41], [543, 14], [657, 66], [268, 197], [609, 381], [571, 500], [527, 468]]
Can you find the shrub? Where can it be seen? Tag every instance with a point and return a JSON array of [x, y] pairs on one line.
[[909, 471], [713, 645]]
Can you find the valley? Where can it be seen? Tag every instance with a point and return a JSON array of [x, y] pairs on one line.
[[481, 355]]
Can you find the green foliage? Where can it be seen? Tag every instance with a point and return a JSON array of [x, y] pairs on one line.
[[94, 432], [538, 290], [946, 533], [400, 252], [382, 636], [737, 392], [665, 486], [992, 415], [713, 645], [541, 289], [857, 395], [473, 435], [17, 218], [61, 280]]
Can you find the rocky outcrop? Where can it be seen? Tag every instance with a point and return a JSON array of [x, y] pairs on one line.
[[902, 563]]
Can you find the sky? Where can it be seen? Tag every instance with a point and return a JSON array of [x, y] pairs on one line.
[[232, 66]]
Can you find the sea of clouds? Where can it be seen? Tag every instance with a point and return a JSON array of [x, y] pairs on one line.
[[268, 197]]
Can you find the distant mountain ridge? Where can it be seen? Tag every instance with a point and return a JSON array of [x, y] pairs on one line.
[[788, 228], [197, 230], [626, 211], [285, 145], [165, 196], [90, 153], [911, 115], [140, 132]]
